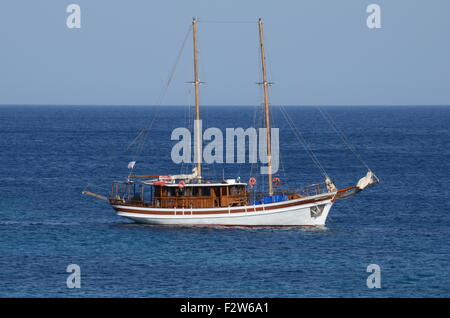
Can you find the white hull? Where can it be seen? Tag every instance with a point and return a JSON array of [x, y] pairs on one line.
[[301, 214]]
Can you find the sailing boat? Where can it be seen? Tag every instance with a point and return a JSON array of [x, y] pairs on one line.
[[189, 199]]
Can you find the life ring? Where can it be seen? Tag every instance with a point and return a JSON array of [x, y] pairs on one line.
[[181, 184], [252, 182], [276, 181]]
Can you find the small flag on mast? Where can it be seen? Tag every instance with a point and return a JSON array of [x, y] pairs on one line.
[[131, 164]]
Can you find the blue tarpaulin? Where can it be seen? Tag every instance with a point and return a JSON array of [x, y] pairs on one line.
[[271, 199]]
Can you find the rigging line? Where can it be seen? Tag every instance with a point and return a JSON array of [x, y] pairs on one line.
[[190, 126], [300, 138], [186, 167], [186, 119], [258, 121], [144, 135], [226, 21], [96, 186], [265, 177], [191, 121], [257, 114], [180, 52], [305, 144], [281, 160], [164, 91], [255, 110], [277, 120], [161, 96], [341, 134], [273, 92], [254, 125]]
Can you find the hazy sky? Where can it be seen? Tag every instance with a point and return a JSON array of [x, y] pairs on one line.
[[319, 52]]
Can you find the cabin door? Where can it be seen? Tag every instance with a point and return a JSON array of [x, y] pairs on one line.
[[216, 196]]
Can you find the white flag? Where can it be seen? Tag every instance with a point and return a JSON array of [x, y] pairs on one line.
[[131, 164]]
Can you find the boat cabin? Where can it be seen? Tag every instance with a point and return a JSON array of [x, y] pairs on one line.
[[184, 195]]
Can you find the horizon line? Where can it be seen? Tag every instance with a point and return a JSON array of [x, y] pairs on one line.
[[223, 105]]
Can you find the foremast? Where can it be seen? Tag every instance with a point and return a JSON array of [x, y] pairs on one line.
[[266, 84]]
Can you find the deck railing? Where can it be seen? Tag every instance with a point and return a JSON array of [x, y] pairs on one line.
[[142, 194], [305, 191], [131, 192]]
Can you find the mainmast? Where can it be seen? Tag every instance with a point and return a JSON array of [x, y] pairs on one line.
[[266, 104], [197, 110]]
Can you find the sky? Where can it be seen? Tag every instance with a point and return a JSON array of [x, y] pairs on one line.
[[319, 52]]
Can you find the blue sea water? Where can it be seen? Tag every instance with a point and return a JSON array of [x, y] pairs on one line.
[[49, 154]]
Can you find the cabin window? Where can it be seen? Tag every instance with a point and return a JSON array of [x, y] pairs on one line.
[[224, 191], [157, 191], [195, 191], [136, 197], [188, 192], [206, 192], [170, 191]]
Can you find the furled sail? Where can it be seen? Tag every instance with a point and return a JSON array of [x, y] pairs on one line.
[[172, 178], [191, 176], [367, 180], [330, 185]]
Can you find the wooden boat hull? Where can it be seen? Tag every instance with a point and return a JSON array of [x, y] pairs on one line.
[[310, 211]]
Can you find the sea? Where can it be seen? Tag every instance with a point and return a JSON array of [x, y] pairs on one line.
[[395, 233]]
